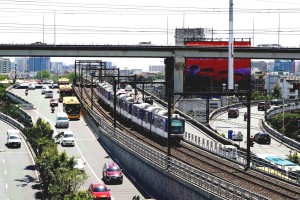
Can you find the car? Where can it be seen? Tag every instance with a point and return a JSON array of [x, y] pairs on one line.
[[263, 106], [62, 120], [237, 135], [68, 138], [233, 113], [44, 88], [112, 172], [31, 86], [79, 164], [54, 85], [276, 102], [99, 191], [13, 138], [53, 102], [262, 137], [49, 93]]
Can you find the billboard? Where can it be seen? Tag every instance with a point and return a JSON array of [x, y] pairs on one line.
[[213, 72]]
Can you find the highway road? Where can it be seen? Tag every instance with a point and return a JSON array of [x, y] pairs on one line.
[[87, 147], [222, 123], [17, 175]]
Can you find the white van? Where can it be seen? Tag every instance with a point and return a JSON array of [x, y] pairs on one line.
[[237, 135], [13, 138], [228, 151], [62, 120], [49, 93]]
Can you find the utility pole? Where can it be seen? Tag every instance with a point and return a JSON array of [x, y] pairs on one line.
[[230, 48]]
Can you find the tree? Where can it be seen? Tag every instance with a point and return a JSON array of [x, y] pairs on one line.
[[276, 92], [294, 158], [43, 74]]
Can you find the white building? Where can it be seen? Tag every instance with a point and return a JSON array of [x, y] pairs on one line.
[[287, 87], [157, 68]]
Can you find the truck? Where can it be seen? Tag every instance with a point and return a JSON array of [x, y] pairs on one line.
[[13, 138]]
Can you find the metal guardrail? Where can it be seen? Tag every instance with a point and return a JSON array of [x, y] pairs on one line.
[[26, 105], [276, 134], [190, 174]]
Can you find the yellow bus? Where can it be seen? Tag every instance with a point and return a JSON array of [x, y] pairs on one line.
[[65, 91], [63, 81], [71, 106]]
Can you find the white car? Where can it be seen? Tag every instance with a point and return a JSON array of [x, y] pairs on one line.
[[79, 164], [68, 138], [44, 88], [49, 93], [13, 138], [31, 86]]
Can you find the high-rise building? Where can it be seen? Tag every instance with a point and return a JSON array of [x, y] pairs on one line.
[[5, 66], [36, 64], [21, 64]]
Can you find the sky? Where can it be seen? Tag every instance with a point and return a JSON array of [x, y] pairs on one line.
[[132, 21]]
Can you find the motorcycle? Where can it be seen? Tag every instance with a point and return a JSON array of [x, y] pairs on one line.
[[52, 109], [26, 92]]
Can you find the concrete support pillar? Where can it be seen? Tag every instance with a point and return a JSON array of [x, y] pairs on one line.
[[169, 73]]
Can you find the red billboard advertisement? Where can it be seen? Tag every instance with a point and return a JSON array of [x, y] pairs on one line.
[[213, 72]]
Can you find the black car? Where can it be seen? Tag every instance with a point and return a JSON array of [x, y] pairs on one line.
[[263, 106], [233, 113], [262, 138]]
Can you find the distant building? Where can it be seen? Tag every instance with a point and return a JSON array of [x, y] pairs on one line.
[[157, 68], [5, 66], [36, 64], [136, 71], [287, 86], [283, 65], [183, 35], [260, 65], [21, 64]]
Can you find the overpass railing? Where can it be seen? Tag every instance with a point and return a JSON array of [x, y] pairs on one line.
[[281, 137], [26, 105]]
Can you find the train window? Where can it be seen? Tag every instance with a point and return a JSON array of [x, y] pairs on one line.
[[146, 117], [177, 126], [160, 123]]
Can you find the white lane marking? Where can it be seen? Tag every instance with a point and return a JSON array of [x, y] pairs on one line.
[[3, 161], [55, 130], [6, 185], [5, 172], [87, 162]]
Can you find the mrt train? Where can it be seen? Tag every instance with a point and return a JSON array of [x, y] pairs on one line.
[[130, 107]]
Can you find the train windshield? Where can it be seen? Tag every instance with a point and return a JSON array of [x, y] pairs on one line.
[[177, 126]]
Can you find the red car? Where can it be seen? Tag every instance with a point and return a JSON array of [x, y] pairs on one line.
[[99, 191], [112, 172]]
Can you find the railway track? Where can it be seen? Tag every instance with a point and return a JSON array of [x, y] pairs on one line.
[[258, 183]]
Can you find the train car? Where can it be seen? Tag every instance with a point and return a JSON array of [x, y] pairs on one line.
[[148, 117], [138, 113], [129, 105]]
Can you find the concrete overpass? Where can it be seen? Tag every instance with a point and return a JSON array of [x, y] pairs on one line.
[[139, 51], [174, 55]]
